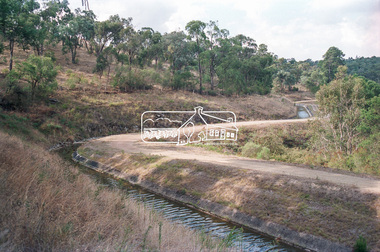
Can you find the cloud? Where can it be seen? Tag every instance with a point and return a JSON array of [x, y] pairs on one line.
[[291, 28]]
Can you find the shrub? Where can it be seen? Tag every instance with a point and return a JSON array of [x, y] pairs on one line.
[[40, 73], [15, 95], [251, 150], [264, 153], [128, 80]]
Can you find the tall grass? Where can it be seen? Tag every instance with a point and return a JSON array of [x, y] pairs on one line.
[[48, 205]]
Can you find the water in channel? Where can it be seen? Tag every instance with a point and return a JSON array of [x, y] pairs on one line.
[[302, 113], [248, 240]]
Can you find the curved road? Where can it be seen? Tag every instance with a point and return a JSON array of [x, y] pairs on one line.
[[131, 143]]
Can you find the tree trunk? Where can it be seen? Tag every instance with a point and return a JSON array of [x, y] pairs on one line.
[[73, 54], [11, 47], [200, 75], [212, 76]]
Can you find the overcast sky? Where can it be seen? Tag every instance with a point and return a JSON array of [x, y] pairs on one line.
[[299, 29]]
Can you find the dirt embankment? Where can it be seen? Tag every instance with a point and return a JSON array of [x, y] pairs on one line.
[[308, 211]]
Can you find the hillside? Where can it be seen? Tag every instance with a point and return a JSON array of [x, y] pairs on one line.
[[85, 105]]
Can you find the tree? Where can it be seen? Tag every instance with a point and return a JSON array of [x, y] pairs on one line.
[[340, 105], [178, 53], [366, 67], [157, 48], [15, 25], [75, 30], [315, 80], [332, 59], [109, 32], [214, 35], [45, 23], [178, 50], [196, 31], [40, 73]]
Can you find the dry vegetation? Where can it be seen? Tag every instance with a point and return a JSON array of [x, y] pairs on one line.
[[327, 210], [48, 205], [89, 106]]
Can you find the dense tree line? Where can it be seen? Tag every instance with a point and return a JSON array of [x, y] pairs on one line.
[[202, 54], [366, 67]]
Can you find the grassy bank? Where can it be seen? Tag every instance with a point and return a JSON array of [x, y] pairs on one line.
[[292, 143], [46, 204], [337, 213]]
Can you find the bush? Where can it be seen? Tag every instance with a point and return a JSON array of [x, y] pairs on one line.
[[128, 80], [211, 92], [14, 95], [40, 73], [264, 153], [182, 80], [251, 150]]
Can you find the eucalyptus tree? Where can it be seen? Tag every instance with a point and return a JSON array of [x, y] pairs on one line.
[[157, 47], [180, 56], [213, 36], [109, 32], [15, 25], [46, 22], [73, 32], [242, 68], [151, 46], [340, 107], [332, 59], [196, 32], [126, 35], [178, 51], [132, 46], [146, 42]]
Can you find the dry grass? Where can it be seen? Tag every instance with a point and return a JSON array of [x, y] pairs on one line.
[[47, 205], [331, 211], [334, 212]]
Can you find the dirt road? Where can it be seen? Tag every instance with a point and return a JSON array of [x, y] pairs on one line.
[[131, 143]]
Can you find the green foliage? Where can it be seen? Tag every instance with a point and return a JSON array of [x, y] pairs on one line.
[[314, 80], [1, 47], [264, 153], [80, 25], [340, 104], [101, 64], [75, 79], [128, 80], [370, 129], [251, 149], [367, 67], [15, 96], [110, 31], [332, 59], [182, 80], [371, 88], [40, 73], [361, 245], [16, 23], [371, 117]]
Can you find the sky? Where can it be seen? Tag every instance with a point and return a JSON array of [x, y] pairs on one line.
[[300, 29]]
